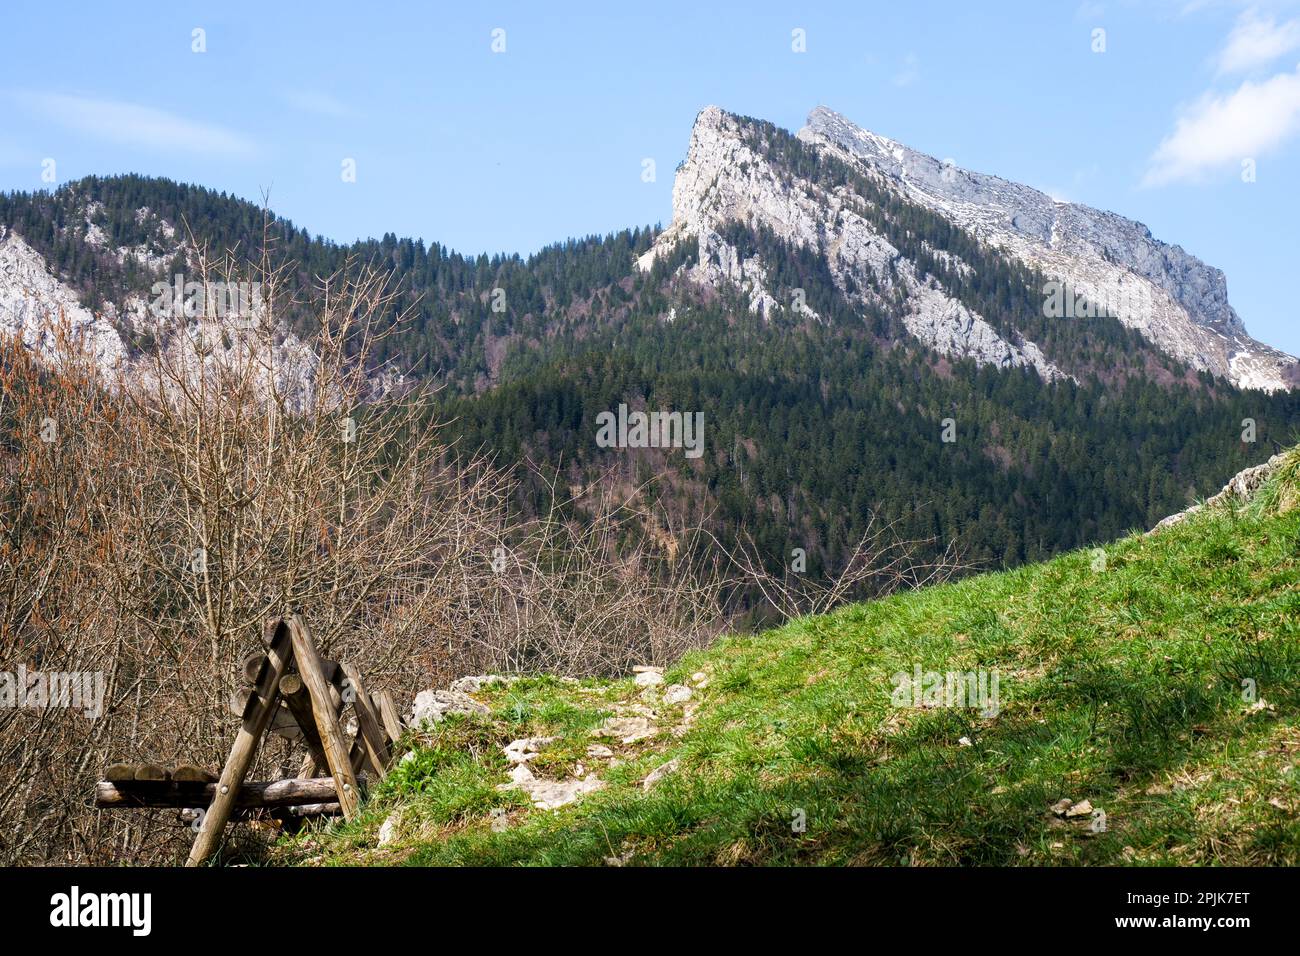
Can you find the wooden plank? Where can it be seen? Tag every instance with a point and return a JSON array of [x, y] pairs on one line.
[[253, 794], [358, 757], [295, 695], [388, 712], [368, 728], [257, 715], [327, 721], [188, 815]]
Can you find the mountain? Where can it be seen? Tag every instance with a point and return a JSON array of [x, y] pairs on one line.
[[1179, 304], [859, 341]]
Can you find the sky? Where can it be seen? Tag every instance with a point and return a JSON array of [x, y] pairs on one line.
[[504, 127]]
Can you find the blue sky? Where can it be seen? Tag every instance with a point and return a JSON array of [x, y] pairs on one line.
[[508, 151]]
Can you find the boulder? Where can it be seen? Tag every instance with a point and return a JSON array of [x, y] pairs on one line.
[[431, 706]]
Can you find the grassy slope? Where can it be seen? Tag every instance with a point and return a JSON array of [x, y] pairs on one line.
[[1122, 686]]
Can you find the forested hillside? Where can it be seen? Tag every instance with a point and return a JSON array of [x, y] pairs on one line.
[[811, 424]]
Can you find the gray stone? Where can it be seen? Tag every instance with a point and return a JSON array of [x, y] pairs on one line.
[[523, 750], [472, 685], [676, 694], [550, 794], [432, 706], [627, 729], [658, 774]]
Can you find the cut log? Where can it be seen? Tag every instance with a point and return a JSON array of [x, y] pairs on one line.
[[253, 794], [368, 728], [257, 715], [327, 722], [188, 773], [388, 711], [188, 815], [251, 666]]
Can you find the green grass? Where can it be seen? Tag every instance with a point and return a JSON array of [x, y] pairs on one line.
[[1123, 686]]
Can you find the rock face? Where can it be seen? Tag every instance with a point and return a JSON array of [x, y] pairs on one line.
[[1241, 488], [34, 304], [1178, 302], [1175, 299], [37, 306], [725, 180]]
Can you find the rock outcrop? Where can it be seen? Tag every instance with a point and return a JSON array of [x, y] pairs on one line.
[[1179, 303]]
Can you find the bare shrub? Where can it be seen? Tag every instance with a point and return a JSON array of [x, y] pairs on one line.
[[881, 563], [235, 472]]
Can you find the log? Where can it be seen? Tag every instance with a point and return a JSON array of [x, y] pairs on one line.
[[188, 815], [368, 729], [261, 708], [298, 701], [388, 711], [251, 666], [327, 722], [188, 773], [253, 794]]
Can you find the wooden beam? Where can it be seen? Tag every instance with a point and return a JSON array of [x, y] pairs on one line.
[[327, 722], [368, 729], [188, 815], [388, 711], [257, 715], [253, 794], [295, 695]]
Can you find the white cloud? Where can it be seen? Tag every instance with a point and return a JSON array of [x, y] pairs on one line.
[[1256, 41], [135, 125], [314, 101], [1223, 129]]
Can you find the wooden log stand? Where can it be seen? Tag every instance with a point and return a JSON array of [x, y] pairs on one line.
[[297, 695]]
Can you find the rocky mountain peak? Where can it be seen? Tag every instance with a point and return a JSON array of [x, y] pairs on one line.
[[1176, 300]]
